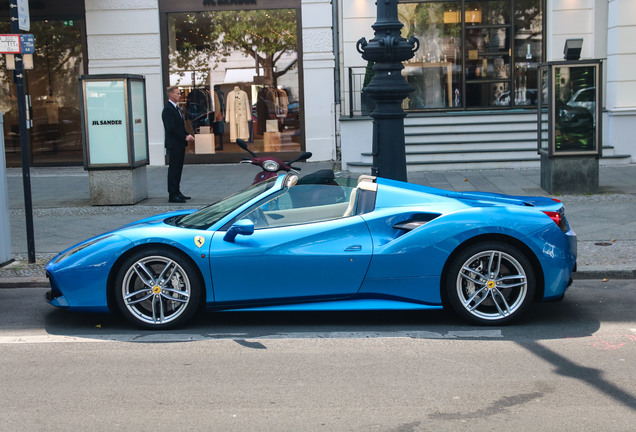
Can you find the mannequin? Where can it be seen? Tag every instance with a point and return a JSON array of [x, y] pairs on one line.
[[237, 114], [219, 114], [267, 106]]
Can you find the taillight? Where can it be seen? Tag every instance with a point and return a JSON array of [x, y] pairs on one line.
[[558, 219]]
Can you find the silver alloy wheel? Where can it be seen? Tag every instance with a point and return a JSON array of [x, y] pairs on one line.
[[156, 290], [492, 285]]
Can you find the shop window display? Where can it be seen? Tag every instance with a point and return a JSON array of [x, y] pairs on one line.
[[239, 73], [473, 54]]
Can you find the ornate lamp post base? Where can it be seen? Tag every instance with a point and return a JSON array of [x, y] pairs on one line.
[[388, 49]]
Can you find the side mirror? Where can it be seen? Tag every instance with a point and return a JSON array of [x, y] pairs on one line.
[[242, 227]]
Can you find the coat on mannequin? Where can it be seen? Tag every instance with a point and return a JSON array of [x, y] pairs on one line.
[[237, 114]]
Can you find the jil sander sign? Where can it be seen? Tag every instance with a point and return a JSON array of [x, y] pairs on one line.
[[228, 2], [106, 122]]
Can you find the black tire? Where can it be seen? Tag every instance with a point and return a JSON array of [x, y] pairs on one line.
[[158, 289], [490, 283]]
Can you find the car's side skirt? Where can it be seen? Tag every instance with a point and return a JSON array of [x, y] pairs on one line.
[[341, 305]]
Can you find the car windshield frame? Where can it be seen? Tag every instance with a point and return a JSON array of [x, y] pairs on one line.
[[206, 217]]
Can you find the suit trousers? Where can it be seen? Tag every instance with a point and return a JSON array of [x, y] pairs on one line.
[[175, 168]]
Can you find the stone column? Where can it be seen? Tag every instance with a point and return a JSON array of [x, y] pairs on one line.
[[318, 79], [123, 38], [620, 100]]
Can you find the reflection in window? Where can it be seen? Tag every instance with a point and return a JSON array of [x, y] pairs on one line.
[[56, 134], [238, 71], [435, 69], [575, 108], [492, 62]]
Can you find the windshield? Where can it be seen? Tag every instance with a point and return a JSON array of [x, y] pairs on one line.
[[211, 214]]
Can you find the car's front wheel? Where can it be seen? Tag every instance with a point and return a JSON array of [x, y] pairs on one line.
[[158, 289], [490, 283]]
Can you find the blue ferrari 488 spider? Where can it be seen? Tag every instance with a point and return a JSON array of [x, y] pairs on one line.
[[323, 244]]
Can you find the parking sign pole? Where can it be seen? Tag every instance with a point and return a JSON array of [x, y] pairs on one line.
[[18, 77]]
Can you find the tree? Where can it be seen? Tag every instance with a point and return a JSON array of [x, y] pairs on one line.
[[265, 35]]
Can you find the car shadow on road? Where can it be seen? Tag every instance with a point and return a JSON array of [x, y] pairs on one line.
[[586, 305], [565, 319]]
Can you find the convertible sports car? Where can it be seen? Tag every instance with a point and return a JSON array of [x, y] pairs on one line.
[[344, 244]]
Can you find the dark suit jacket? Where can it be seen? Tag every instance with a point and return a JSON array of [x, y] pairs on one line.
[[174, 127]]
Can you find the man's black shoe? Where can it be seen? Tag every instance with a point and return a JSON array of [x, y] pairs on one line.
[[176, 199], [180, 195]]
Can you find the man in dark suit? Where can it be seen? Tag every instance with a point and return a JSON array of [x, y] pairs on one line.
[[176, 140]]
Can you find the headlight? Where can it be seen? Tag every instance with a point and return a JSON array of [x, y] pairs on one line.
[[270, 165], [566, 114], [78, 248]]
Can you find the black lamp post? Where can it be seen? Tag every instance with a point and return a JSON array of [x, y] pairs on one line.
[[388, 49]]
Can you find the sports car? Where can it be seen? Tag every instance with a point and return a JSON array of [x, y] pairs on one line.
[[343, 243]]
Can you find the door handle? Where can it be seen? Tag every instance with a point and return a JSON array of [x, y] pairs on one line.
[[353, 248]]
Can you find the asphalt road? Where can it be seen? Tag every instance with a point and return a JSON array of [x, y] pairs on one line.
[[569, 366]]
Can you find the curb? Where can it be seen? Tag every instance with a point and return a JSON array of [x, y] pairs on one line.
[[604, 274], [43, 282], [24, 282]]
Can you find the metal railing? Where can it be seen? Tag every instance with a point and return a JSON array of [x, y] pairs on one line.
[[355, 83]]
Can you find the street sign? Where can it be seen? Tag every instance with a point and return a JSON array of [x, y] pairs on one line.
[[17, 44], [27, 43], [24, 18], [9, 44], [27, 61]]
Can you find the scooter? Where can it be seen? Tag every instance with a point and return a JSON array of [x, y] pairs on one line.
[[270, 165]]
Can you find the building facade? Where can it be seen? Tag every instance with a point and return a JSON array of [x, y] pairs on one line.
[[475, 78], [295, 62]]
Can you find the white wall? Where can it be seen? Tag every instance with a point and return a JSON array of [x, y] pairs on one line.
[[123, 38], [621, 80], [356, 19], [570, 19], [621, 55], [357, 136], [318, 75]]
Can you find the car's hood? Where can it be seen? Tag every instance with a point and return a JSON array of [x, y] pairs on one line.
[[157, 218]]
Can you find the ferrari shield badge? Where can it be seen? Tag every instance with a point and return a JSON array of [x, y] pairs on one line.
[[199, 241]]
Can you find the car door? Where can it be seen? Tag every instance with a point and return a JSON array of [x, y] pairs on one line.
[[308, 261]]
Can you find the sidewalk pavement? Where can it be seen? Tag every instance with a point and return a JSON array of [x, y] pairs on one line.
[[605, 222]]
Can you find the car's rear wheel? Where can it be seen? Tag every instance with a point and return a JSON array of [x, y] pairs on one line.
[[490, 283], [158, 289]]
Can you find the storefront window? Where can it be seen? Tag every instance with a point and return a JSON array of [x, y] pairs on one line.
[[238, 71], [528, 25], [435, 70], [52, 84], [466, 55]]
